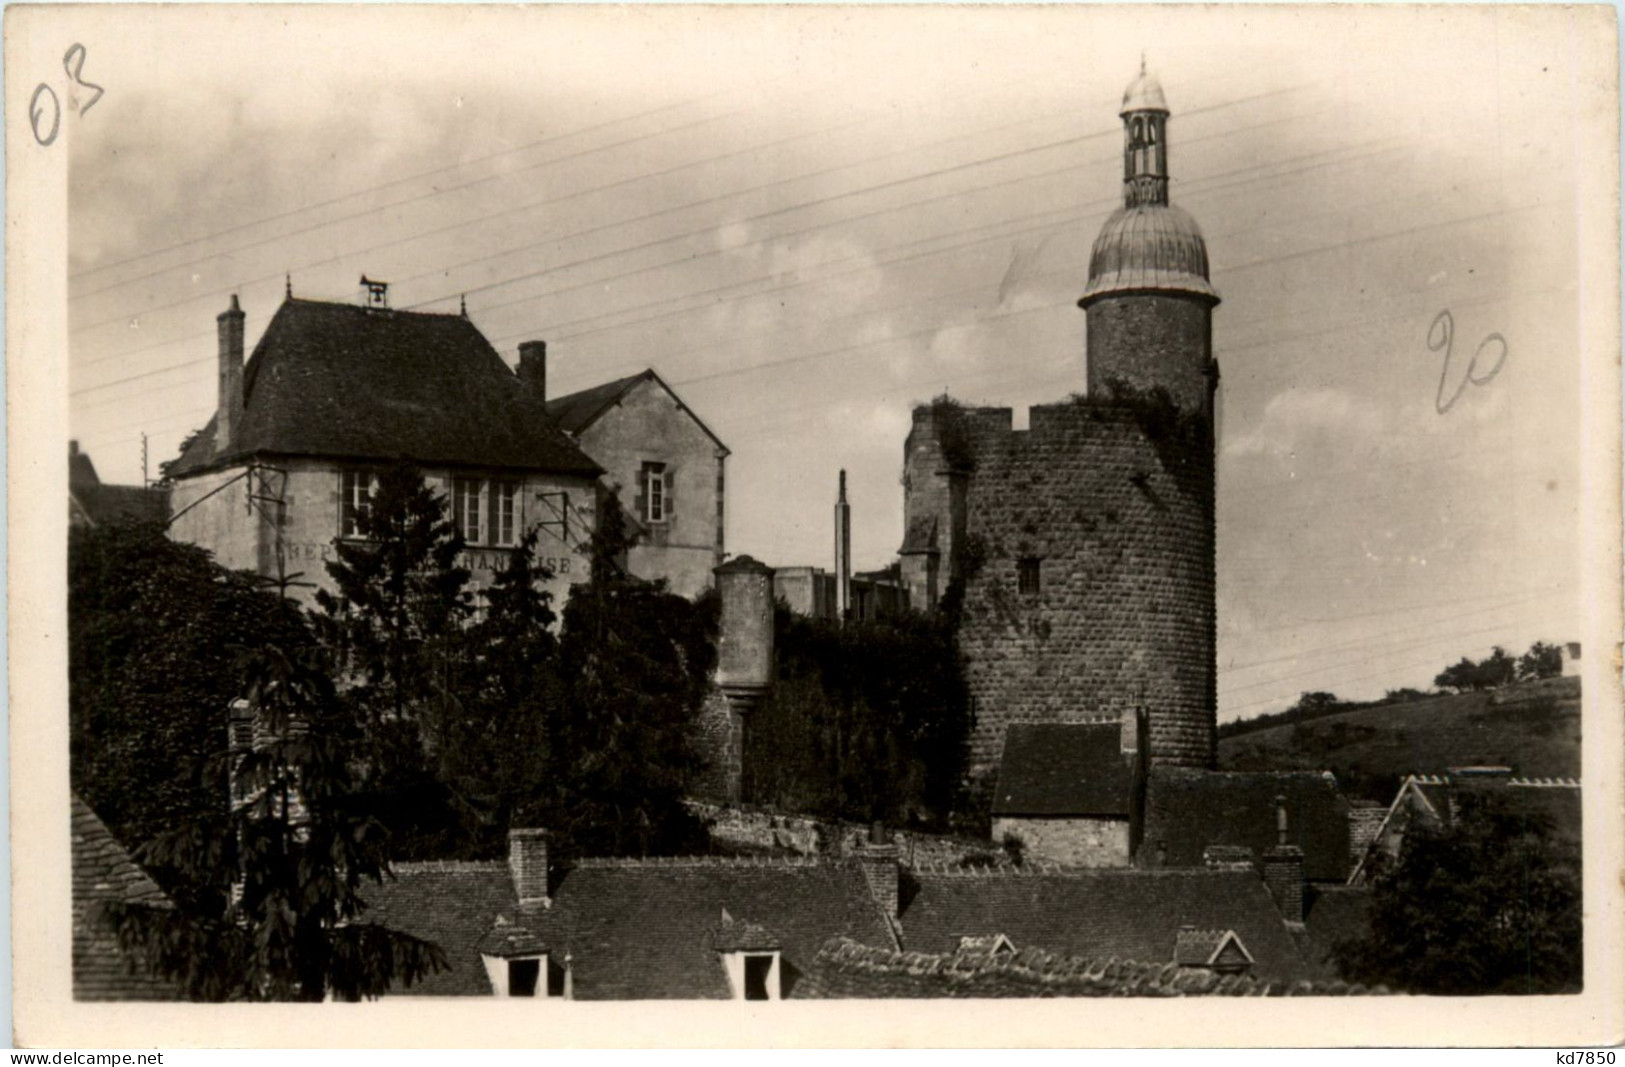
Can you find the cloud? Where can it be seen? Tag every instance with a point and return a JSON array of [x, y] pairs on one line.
[[1299, 420]]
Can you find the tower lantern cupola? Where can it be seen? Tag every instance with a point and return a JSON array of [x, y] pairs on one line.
[[1145, 141]]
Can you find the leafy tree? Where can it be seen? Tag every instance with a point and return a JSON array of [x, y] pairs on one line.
[[1467, 676], [270, 904], [636, 662], [1541, 661], [154, 628], [1404, 695], [1489, 903], [396, 625], [867, 721]]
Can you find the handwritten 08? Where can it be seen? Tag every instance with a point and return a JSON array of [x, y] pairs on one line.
[[1441, 338], [44, 103]]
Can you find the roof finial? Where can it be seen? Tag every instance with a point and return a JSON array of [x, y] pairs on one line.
[[287, 285], [1142, 61], [463, 304]]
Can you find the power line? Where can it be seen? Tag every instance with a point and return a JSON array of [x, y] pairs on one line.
[[618, 277], [418, 177]]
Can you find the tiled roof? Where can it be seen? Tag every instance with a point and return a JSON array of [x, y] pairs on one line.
[[454, 905], [103, 504], [103, 872], [1337, 913], [644, 930], [1096, 913], [1063, 769], [845, 968], [342, 381], [1200, 948], [1188, 810], [921, 535], [735, 935], [574, 412]]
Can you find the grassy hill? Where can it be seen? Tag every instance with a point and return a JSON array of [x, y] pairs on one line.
[[1532, 727]]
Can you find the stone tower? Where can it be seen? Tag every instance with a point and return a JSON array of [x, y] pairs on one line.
[[1148, 300], [1083, 547]]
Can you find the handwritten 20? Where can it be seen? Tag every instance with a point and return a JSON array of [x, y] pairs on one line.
[[1441, 338]]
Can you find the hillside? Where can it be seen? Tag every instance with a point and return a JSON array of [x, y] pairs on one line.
[[1532, 727]]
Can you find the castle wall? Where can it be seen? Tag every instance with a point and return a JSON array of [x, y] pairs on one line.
[[1147, 340], [1123, 612]]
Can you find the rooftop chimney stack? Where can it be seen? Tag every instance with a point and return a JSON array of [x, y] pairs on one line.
[[1283, 869], [527, 863], [229, 413], [533, 369], [878, 857], [843, 554]]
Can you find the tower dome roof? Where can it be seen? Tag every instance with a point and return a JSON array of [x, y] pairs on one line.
[[1149, 246], [1144, 93]]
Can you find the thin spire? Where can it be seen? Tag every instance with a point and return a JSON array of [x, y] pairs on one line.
[[287, 285], [1142, 61], [463, 305]]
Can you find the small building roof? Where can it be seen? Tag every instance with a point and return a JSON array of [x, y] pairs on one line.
[[1188, 810], [104, 873], [454, 905], [632, 929], [574, 412], [846, 969], [1130, 914], [1059, 769], [372, 384]]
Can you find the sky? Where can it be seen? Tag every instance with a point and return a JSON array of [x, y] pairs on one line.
[[808, 220]]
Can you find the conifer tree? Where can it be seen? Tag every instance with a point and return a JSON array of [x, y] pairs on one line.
[[637, 663]]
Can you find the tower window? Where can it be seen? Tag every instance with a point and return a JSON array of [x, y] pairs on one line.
[[656, 505], [1027, 574]]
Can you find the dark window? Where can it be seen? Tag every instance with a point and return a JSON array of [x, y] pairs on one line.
[[756, 972], [1027, 576], [522, 976]]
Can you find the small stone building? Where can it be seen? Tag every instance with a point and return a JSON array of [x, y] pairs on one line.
[[1065, 792]]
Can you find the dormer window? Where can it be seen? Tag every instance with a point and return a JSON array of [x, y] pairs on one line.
[[750, 956], [758, 970], [538, 976]]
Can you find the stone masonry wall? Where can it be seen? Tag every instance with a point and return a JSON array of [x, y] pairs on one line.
[[1147, 340], [810, 836], [1071, 842], [1124, 612]]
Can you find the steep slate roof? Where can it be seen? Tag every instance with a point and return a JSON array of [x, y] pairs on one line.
[[574, 412], [121, 503], [1129, 914], [342, 381], [1188, 810], [455, 905], [644, 930], [1337, 913], [103, 872], [1063, 769], [844, 968]]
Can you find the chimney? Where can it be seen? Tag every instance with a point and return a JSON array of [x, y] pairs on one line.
[[1283, 869], [533, 369], [1283, 876], [877, 858], [843, 554], [229, 414], [527, 863]]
